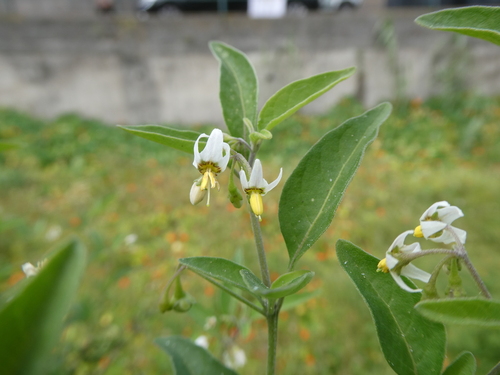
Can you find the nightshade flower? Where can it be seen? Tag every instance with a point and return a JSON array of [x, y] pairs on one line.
[[210, 162], [435, 224], [256, 187], [30, 270], [391, 263]]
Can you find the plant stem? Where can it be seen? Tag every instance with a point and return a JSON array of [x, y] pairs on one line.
[[475, 276], [272, 329], [259, 245], [462, 253], [232, 293]]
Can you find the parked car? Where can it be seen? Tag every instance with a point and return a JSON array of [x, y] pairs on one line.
[[171, 7]]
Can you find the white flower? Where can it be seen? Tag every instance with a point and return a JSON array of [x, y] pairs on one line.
[[390, 263], [130, 239], [211, 161], [202, 341], [436, 219], [234, 357], [30, 270], [256, 187], [196, 195]]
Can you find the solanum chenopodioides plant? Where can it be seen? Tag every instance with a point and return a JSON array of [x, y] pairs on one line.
[[307, 205], [408, 319]]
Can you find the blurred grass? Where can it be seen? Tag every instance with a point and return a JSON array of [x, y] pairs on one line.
[[78, 176]]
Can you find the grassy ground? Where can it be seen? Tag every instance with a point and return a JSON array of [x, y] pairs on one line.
[[75, 176]]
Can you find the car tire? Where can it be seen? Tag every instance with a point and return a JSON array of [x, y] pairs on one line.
[[297, 9]]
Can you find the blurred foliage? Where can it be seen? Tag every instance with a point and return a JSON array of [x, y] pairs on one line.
[[128, 199]]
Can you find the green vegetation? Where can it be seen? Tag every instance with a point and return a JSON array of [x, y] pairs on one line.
[[79, 176]]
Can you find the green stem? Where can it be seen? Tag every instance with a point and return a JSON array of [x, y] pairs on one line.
[[460, 249], [261, 253], [272, 344]]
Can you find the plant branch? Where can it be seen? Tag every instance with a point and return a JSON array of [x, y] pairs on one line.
[[259, 245], [235, 295]]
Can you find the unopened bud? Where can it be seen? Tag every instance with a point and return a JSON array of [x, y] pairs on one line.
[[196, 195]]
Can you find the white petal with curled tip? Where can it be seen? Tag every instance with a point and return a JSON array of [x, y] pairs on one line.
[[432, 209], [432, 227], [197, 156], [400, 240], [273, 184], [447, 237], [449, 214], [402, 284], [415, 273]]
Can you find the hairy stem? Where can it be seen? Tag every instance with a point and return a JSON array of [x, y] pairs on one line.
[[460, 249], [272, 344], [259, 245]]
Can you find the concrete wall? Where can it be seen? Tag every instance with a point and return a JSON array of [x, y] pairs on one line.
[[125, 71]]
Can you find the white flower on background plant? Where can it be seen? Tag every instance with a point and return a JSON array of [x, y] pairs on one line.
[[130, 239], [202, 341], [435, 220], [210, 322], [30, 270], [53, 233], [210, 162], [391, 263], [257, 186], [234, 357]]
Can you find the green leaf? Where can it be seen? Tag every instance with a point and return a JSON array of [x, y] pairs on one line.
[[297, 94], [219, 269], [411, 343], [238, 87], [464, 364], [285, 285], [471, 311], [295, 300], [30, 323], [191, 359], [315, 188], [476, 21], [182, 140]]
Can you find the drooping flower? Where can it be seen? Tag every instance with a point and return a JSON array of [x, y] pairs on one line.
[[435, 224], [202, 341], [234, 357], [257, 186], [398, 268], [30, 270], [210, 162]]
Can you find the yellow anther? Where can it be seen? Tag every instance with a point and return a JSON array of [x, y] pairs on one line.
[[418, 232], [382, 266], [256, 203]]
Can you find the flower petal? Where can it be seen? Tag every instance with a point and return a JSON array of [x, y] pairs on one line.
[[415, 273], [213, 149], [243, 180], [273, 184], [432, 227], [432, 209], [450, 214], [390, 261], [402, 284], [400, 240], [197, 156], [256, 177], [224, 160], [447, 237]]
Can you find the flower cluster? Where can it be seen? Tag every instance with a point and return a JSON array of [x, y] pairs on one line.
[[214, 159], [435, 225]]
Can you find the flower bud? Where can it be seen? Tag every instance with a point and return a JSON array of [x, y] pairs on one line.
[[196, 195]]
